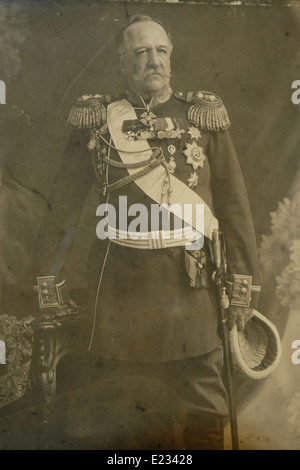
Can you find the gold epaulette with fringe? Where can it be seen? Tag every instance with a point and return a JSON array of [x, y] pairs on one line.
[[89, 111], [207, 110]]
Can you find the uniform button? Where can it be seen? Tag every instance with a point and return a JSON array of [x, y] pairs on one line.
[[244, 290]]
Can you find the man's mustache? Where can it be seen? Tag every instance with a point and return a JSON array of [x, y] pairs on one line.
[[149, 73]]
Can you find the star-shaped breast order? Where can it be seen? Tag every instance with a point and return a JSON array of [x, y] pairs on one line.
[[194, 133], [195, 155]]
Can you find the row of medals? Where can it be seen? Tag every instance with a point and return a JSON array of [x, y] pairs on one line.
[[148, 119]]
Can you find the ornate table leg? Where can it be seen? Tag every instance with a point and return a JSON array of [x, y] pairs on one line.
[[51, 343]]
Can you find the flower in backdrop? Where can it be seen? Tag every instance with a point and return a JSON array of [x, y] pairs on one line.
[[280, 252], [285, 228], [288, 282]]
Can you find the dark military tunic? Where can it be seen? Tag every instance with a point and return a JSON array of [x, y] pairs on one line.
[[146, 309]]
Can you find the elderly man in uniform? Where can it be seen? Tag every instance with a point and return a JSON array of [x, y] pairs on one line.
[[154, 305]]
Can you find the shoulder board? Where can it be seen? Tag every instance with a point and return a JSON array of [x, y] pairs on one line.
[[89, 111], [207, 110]]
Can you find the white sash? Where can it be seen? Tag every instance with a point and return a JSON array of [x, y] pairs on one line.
[[152, 183]]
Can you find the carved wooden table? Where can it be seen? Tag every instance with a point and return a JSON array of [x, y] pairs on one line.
[[54, 337]]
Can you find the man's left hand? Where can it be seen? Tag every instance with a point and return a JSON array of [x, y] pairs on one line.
[[239, 316]]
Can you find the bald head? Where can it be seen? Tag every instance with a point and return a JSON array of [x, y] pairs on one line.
[[134, 20], [145, 52]]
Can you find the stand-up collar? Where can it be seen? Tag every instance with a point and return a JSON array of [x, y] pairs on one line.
[[160, 98]]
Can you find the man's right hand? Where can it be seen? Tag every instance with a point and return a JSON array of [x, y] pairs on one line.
[[239, 316]]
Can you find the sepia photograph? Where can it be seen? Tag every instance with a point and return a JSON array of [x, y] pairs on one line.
[[150, 227]]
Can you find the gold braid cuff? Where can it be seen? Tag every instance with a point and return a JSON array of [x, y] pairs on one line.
[[240, 290]]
